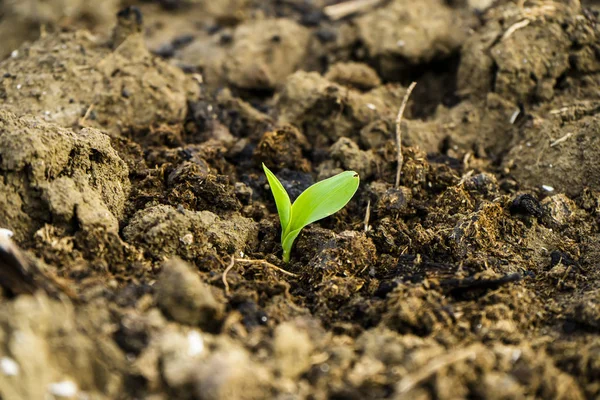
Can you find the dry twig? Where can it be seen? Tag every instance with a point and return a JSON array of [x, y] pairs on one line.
[[515, 27], [367, 216], [341, 10], [86, 115], [561, 139], [224, 276], [399, 132]]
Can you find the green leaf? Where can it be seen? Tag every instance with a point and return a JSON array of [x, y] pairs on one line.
[[323, 199], [317, 202], [282, 199]]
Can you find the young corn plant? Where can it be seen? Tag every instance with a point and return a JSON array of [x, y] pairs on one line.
[[317, 202]]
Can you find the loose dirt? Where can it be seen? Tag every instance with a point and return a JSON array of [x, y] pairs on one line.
[[145, 261]]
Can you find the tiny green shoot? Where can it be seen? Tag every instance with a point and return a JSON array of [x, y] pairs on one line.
[[321, 200]]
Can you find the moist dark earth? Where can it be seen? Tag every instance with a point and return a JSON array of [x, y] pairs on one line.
[[146, 259]]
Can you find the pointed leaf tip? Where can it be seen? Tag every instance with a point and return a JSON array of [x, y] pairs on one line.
[[324, 198], [282, 199]]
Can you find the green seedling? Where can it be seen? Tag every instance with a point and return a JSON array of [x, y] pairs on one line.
[[317, 202]]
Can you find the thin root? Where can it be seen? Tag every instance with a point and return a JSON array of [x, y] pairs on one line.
[[224, 277], [399, 132], [265, 263], [561, 139], [515, 27]]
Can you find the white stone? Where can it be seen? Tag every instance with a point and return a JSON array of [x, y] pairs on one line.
[[6, 233], [9, 366], [548, 188], [63, 389], [195, 344]]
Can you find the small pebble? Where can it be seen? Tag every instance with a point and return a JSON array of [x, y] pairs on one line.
[[195, 344], [63, 389], [187, 239], [6, 233], [9, 366], [548, 188], [516, 354]]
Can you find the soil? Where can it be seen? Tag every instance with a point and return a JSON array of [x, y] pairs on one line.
[[144, 261]]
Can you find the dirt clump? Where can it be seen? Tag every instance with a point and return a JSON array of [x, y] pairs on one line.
[[26, 20], [45, 352], [351, 157], [327, 111], [416, 310], [237, 376], [74, 179], [292, 347], [415, 32], [283, 148], [560, 157], [389, 200], [184, 298], [522, 53], [114, 90], [193, 185], [196, 365], [164, 230], [482, 127], [325, 248], [254, 55], [356, 75]]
